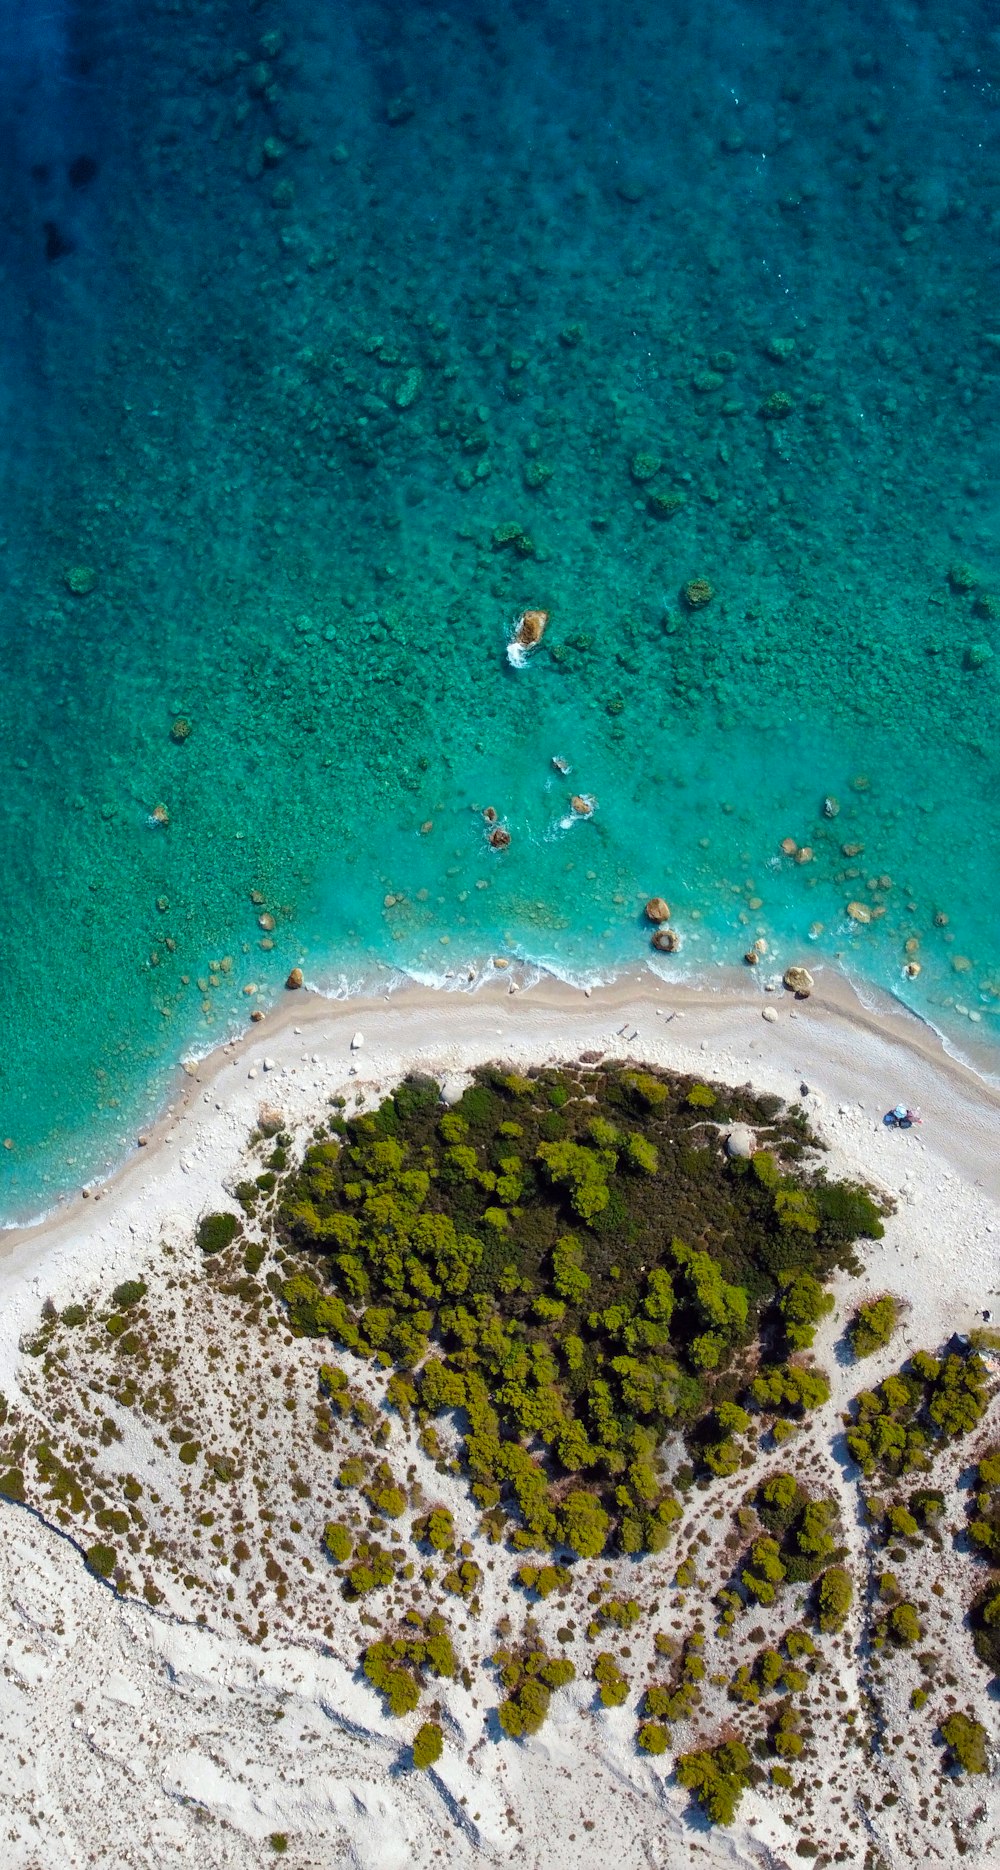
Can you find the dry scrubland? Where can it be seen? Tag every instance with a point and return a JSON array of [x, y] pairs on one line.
[[227, 1517]]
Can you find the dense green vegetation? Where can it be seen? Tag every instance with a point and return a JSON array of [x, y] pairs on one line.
[[217, 1231], [873, 1325], [984, 1533], [529, 1675], [966, 1742], [570, 1263], [717, 1777], [899, 1426], [428, 1745]]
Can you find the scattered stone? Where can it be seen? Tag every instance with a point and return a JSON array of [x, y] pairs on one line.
[[665, 505], [500, 960], [912, 969], [80, 579], [859, 912], [266, 922], [490, 814], [644, 466], [697, 593], [789, 847], [409, 389], [657, 910], [256, 1016], [777, 406], [978, 655], [770, 1013], [940, 920], [159, 815], [499, 838], [739, 1142], [799, 981], [257, 899], [666, 941], [831, 806], [961, 963], [852, 850], [294, 979], [530, 627], [804, 855], [561, 765], [962, 578], [751, 957], [583, 804]]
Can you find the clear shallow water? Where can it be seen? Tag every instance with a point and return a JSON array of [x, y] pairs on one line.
[[333, 338]]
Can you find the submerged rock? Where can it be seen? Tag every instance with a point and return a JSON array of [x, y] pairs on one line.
[[80, 579]]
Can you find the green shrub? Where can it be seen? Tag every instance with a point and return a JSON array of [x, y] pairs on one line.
[[701, 1097], [834, 1597], [966, 1742], [101, 1559], [803, 1302], [653, 1738], [904, 1624], [585, 1525], [128, 1293], [718, 1777], [873, 1325], [338, 1541], [73, 1315], [612, 1684], [645, 1090], [428, 1745], [216, 1231], [436, 1529]]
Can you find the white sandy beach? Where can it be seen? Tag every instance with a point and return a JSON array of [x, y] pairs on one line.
[[131, 1737]]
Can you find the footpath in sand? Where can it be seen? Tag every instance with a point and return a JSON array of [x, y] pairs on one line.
[[130, 1736]]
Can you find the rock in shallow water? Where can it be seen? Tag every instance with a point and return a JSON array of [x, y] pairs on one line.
[[798, 980]]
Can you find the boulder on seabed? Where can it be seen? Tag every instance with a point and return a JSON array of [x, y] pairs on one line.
[[657, 910]]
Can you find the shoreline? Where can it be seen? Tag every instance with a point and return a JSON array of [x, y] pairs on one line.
[[854, 1061], [871, 1006]]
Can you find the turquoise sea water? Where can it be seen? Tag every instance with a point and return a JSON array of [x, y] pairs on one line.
[[333, 338]]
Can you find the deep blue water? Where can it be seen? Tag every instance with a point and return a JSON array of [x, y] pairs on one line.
[[334, 338]]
